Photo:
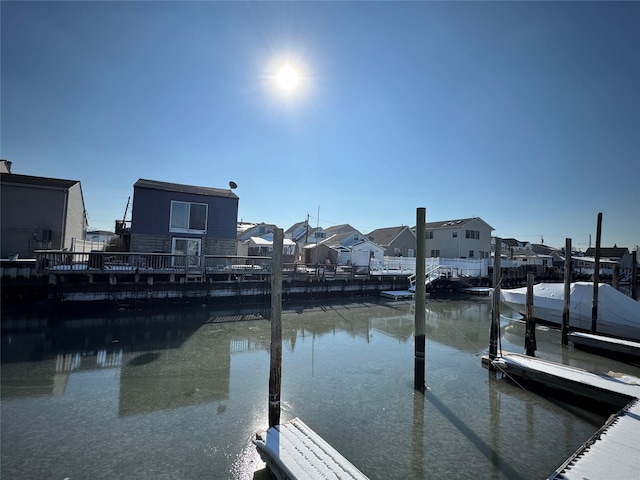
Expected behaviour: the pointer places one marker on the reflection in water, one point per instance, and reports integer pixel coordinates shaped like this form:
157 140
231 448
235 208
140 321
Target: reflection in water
181 392
417 436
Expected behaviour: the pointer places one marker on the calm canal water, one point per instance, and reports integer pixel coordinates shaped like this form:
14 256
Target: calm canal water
180 393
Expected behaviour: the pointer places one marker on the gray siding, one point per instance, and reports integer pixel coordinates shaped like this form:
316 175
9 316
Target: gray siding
151 213
152 209
26 213
406 241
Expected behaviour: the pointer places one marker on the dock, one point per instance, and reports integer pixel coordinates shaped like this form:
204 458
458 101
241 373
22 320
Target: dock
613 451
396 294
605 344
293 451
486 291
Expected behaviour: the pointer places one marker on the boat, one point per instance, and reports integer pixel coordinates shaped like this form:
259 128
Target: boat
618 314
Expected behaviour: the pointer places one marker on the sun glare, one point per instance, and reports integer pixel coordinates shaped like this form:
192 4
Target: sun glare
287 78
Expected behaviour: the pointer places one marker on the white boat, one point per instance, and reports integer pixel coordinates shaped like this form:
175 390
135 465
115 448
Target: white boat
618 314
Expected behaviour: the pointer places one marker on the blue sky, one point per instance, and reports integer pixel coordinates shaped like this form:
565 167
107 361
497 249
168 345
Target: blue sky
526 114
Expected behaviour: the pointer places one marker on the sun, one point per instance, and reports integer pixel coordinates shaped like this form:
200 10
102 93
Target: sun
287 78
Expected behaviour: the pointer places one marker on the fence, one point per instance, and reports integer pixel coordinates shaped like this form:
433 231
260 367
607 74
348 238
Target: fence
467 267
78 245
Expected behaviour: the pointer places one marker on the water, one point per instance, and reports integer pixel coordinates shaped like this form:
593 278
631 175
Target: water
180 393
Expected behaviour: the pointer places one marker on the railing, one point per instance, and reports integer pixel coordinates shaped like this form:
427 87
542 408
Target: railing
66 262
60 261
436 273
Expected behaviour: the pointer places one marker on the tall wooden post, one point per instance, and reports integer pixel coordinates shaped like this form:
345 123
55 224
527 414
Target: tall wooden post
495 302
530 334
275 377
615 281
596 277
566 307
634 275
420 300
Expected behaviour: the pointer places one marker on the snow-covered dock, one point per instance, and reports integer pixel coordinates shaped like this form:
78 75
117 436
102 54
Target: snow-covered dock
614 451
292 451
600 342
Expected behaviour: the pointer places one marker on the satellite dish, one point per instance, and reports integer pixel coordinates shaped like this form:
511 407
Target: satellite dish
233 185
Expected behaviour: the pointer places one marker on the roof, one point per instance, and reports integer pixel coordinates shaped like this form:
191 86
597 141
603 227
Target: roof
610 252
543 249
457 223
384 236
269 241
345 227
346 239
294 226
177 187
29 180
512 242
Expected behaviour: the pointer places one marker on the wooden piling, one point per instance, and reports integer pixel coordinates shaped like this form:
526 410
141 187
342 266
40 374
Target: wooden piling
275 377
615 281
495 301
596 277
634 275
567 292
530 335
420 300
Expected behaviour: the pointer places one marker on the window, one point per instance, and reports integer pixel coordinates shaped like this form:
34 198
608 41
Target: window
455 234
475 234
189 248
470 253
188 217
435 253
429 235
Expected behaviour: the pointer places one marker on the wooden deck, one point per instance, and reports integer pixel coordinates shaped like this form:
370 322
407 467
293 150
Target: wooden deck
293 451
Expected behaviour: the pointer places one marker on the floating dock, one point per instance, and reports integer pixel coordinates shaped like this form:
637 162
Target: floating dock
609 344
486 291
396 294
613 451
294 451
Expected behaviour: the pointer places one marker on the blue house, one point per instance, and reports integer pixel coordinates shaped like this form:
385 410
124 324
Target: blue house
183 219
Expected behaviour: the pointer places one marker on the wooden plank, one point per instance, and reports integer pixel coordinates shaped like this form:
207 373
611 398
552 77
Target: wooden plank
294 451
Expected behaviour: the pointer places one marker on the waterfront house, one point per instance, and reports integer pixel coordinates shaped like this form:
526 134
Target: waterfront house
39 213
532 262
396 241
304 234
347 248
183 219
613 255
609 258
257 230
263 247
460 238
